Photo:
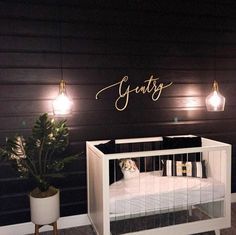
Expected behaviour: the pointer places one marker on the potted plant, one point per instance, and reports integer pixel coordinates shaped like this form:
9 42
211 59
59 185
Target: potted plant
39 157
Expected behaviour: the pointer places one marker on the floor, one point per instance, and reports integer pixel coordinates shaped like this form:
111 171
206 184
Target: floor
87 230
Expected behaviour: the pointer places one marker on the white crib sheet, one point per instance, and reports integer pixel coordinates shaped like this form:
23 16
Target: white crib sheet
150 192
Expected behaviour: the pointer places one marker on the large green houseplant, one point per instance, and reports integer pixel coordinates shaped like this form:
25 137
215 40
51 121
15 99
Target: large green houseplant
39 156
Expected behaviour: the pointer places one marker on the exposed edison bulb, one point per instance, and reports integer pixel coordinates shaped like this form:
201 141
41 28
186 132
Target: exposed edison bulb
62 105
215 101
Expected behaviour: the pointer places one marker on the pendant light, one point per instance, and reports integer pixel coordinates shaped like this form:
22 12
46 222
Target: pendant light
62 105
215 102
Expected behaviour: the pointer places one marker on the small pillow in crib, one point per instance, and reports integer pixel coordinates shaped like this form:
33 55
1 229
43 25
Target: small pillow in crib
129 168
181 168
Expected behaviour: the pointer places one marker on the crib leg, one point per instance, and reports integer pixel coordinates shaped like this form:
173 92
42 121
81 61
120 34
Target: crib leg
217 232
190 211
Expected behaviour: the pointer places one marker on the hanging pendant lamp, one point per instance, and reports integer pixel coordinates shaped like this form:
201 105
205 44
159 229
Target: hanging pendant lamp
62 105
215 102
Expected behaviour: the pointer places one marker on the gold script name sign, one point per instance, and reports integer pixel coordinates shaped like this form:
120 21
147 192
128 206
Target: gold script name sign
150 86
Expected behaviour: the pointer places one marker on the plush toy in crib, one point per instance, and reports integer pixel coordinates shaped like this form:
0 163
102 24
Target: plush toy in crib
129 168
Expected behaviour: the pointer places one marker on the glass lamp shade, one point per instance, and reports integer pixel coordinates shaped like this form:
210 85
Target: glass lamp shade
62 105
215 102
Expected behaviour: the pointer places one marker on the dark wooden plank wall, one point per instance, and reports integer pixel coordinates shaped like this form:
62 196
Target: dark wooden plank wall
188 42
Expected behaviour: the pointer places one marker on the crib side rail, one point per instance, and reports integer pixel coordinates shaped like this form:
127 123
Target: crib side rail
97 189
219 168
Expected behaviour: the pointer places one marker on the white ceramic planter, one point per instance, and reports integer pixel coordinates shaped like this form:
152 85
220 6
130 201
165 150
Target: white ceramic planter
45 210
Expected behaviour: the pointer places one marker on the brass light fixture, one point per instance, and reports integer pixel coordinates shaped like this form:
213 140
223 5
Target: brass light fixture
62 105
215 102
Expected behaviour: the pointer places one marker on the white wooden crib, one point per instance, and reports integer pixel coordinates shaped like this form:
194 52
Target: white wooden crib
217 209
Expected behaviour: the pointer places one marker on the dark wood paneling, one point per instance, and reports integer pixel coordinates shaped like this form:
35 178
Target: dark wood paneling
188 42
106 76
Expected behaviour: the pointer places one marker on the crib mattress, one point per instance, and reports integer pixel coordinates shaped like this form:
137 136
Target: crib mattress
151 192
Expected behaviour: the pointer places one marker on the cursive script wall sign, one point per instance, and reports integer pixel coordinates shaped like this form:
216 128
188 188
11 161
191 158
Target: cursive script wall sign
149 86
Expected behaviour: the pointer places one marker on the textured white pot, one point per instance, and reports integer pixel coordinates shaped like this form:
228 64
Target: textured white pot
45 210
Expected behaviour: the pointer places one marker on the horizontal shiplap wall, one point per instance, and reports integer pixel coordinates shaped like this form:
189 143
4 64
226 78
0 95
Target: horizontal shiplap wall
187 42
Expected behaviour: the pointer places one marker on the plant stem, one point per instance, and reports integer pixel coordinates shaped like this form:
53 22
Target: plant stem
40 156
45 162
31 172
50 156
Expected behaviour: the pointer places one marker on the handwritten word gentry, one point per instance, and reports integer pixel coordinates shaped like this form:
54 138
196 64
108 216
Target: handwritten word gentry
150 86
